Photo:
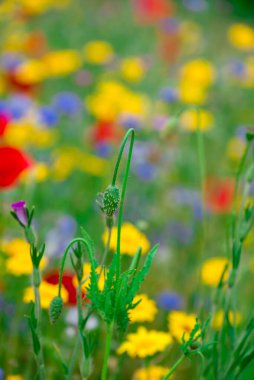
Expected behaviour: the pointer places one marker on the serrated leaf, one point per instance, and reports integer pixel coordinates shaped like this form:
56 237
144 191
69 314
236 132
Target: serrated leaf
140 276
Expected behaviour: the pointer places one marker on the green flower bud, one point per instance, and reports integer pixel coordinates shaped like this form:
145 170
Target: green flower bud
55 309
111 199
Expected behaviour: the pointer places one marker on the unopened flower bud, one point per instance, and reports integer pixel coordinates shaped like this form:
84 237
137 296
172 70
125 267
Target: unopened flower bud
111 199
55 309
20 212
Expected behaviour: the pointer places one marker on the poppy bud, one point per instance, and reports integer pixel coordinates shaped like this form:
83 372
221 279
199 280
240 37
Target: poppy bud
111 198
55 309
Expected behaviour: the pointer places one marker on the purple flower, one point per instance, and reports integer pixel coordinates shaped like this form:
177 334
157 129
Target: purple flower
170 301
19 208
1 374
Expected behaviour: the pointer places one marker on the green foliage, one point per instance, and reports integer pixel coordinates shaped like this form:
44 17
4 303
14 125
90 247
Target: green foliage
116 298
32 321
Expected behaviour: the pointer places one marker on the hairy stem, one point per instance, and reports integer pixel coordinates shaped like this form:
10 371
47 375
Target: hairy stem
109 335
37 299
172 369
130 133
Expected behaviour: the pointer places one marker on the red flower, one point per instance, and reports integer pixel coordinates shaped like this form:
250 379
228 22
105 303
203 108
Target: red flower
219 195
4 120
12 163
16 85
150 11
105 131
53 277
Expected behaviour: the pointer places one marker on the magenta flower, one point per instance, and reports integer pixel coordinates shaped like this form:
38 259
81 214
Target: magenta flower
20 211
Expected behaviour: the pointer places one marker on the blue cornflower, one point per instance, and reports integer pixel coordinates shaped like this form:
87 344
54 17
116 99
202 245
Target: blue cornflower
48 116
168 95
68 103
18 106
169 301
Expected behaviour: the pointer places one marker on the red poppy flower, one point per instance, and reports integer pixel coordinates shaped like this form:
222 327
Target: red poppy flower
4 120
105 131
53 277
219 195
150 11
12 163
14 84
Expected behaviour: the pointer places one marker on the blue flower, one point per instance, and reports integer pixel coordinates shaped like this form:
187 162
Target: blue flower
169 25
145 171
168 95
238 68
130 121
103 149
1 374
196 5
59 236
18 106
10 61
169 301
48 116
67 103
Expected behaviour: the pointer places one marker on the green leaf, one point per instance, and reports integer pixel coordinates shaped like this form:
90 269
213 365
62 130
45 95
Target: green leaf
32 322
140 276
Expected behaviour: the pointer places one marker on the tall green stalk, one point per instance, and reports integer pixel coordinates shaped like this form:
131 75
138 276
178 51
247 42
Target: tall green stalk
37 299
110 328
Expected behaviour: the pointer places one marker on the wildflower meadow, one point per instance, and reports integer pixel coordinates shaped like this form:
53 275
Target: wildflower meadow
127 189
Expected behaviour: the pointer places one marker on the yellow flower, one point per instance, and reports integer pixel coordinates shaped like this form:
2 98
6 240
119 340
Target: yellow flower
86 277
145 311
23 134
217 319
69 158
111 100
235 148
40 6
47 293
62 62
32 71
14 377
19 260
39 173
191 120
145 343
132 69
241 36
98 52
191 93
153 372
131 239
181 323
212 270
198 72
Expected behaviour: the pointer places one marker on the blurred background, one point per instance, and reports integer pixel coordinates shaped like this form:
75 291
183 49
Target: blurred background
74 76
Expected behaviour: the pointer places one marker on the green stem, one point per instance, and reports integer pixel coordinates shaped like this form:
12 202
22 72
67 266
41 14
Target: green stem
106 250
110 329
201 160
131 133
65 256
39 356
172 370
73 359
